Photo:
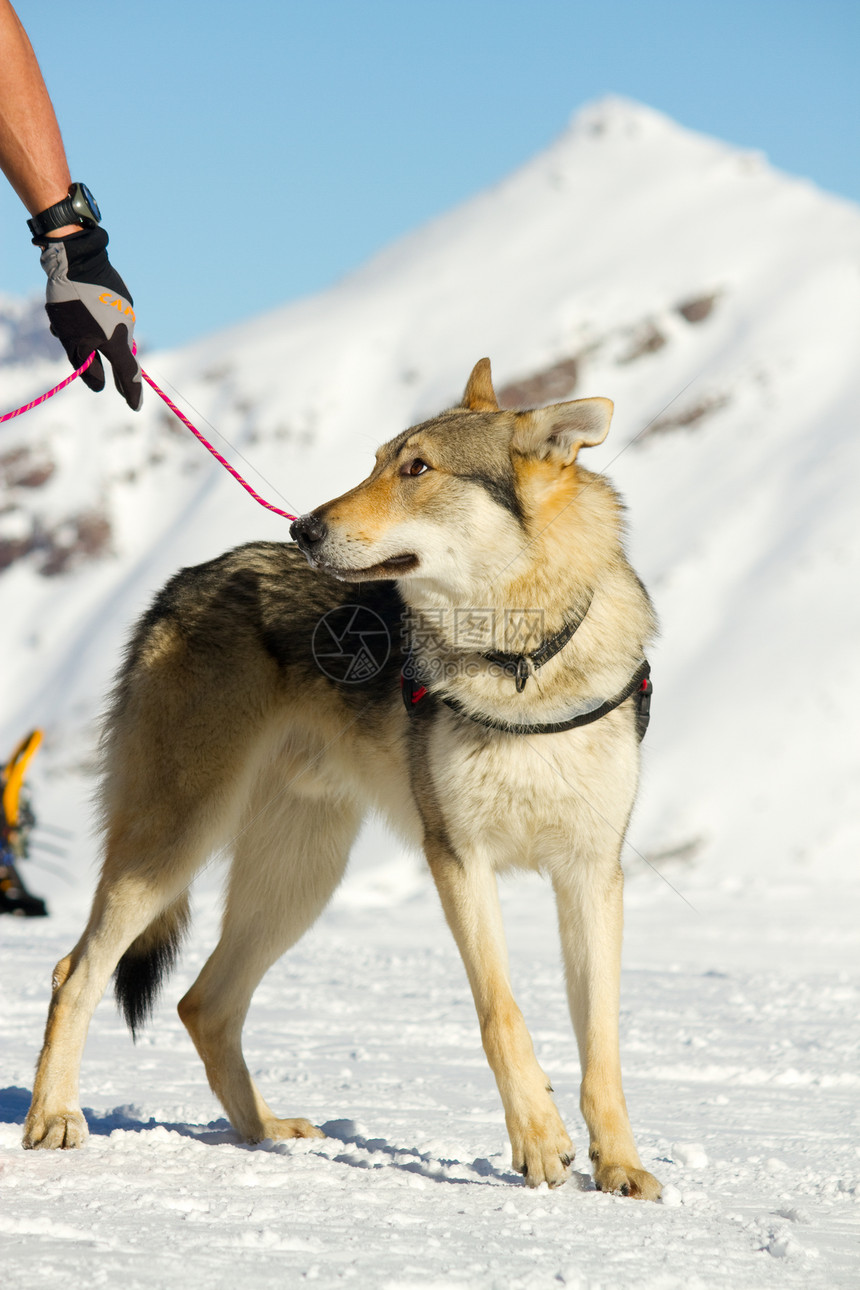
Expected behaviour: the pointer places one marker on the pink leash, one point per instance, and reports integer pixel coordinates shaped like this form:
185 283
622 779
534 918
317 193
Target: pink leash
7 416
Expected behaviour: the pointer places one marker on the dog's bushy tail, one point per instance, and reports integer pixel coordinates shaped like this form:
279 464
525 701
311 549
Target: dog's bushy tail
147 962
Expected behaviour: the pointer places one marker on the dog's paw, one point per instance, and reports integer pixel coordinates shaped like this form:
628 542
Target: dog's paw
63 1130
626 1180
543 1154
281 1130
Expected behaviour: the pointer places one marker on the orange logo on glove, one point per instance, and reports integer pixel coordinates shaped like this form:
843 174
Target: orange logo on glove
116 303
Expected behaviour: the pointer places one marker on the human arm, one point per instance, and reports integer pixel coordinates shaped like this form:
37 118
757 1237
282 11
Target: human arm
32 155
88 304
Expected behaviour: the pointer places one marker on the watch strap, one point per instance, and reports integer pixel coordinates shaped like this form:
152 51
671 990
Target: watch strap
67 211
54 217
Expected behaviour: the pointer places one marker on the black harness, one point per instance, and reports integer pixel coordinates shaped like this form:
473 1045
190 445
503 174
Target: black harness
521 667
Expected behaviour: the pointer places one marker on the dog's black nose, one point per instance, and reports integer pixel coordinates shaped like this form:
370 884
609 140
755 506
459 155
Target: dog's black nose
308 531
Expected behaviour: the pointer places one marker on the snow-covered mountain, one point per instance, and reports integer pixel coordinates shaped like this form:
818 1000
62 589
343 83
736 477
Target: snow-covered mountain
715 300
718 303
24 335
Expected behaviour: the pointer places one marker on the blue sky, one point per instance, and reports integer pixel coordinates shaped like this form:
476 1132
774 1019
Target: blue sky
244 155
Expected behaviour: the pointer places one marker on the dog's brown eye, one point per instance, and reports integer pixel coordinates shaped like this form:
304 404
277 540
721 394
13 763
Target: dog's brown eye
415 467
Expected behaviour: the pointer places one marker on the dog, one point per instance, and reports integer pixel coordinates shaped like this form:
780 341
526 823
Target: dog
459 642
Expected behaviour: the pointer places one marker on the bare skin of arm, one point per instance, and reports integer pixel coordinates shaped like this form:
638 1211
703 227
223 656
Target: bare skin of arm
32 155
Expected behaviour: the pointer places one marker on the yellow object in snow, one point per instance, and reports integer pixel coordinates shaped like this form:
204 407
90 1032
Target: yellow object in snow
13 777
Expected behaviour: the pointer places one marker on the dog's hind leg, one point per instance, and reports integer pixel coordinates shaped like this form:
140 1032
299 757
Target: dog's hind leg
160 827
123 907
589 898
287 863
541 1148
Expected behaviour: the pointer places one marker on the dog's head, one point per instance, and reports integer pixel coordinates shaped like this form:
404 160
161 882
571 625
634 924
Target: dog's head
452 499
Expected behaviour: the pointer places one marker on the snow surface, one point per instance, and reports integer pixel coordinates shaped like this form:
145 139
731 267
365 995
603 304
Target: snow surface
735 444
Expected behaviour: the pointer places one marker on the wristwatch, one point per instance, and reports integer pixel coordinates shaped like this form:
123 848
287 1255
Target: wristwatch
78 208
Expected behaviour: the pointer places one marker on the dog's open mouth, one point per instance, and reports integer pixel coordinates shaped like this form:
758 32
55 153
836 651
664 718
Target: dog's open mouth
394 567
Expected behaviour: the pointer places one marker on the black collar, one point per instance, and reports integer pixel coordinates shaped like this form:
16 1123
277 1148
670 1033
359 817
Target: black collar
639 685
522 666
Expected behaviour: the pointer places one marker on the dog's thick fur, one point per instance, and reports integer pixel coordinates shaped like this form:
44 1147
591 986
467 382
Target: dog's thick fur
224 730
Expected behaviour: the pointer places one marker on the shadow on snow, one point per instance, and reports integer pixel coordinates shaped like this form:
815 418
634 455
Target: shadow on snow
360 1151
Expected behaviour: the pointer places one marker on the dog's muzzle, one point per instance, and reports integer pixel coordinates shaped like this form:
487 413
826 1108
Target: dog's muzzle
308 531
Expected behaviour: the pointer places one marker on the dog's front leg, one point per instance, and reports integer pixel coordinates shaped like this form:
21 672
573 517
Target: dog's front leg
591 919
540 1145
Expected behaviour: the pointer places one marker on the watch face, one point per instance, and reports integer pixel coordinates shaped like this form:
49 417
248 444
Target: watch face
84 202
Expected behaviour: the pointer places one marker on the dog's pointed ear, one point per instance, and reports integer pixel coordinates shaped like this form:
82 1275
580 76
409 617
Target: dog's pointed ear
480 395
559 431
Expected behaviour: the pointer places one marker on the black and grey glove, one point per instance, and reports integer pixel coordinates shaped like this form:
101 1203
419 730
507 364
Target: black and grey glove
90 308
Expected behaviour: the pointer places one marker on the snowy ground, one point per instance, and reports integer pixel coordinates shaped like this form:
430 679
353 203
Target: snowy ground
740 1037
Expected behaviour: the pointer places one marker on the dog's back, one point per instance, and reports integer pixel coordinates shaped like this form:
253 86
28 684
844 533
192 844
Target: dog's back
234 666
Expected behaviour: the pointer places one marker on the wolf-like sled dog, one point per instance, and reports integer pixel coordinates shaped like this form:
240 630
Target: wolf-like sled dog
459 642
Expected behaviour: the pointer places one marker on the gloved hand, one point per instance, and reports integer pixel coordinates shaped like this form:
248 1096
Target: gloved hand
90 308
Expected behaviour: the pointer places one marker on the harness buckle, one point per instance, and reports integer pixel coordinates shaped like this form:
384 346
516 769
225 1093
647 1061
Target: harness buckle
411 689
643 706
